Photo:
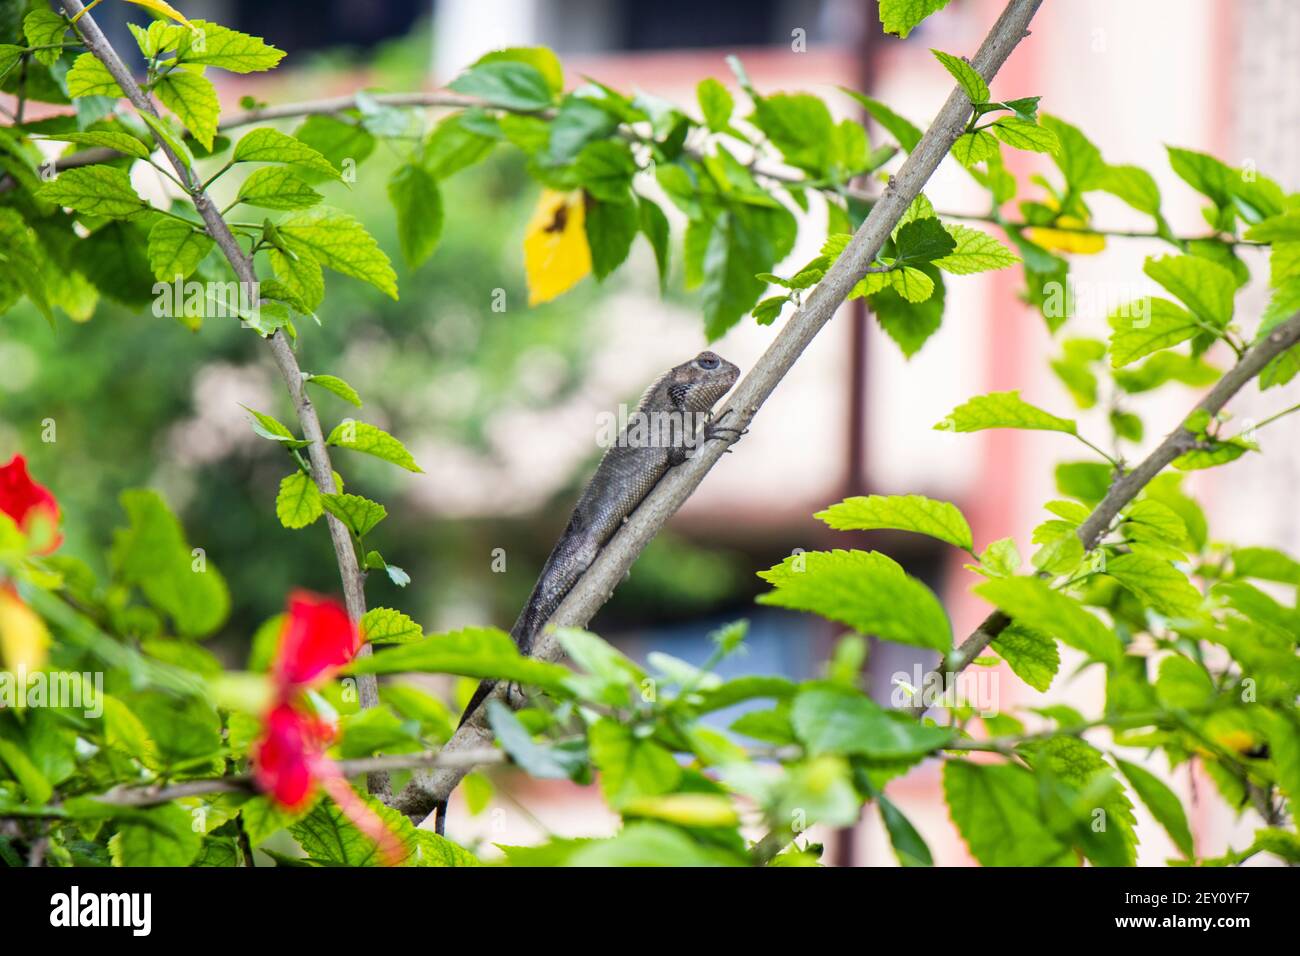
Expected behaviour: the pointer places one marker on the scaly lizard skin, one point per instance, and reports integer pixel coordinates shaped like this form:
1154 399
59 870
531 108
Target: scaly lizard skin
658 436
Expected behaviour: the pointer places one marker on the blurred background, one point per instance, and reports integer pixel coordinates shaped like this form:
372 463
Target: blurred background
500 407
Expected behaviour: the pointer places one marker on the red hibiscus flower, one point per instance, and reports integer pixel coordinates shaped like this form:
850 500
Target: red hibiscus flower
28 503
285 760
317 638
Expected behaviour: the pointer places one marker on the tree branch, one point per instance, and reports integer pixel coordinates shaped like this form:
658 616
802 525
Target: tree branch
1095 526
596 585
322 472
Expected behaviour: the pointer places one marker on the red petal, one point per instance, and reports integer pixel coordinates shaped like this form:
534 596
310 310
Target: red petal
283 759
23 499
318 637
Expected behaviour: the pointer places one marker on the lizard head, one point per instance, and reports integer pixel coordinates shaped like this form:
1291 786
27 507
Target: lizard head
698 384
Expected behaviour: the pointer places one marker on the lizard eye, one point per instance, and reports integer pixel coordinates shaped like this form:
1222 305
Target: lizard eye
707 362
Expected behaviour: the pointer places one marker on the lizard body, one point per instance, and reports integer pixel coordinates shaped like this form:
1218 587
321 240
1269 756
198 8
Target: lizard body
659 435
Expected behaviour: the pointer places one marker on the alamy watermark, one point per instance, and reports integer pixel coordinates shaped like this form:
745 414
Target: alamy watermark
656 429
69 690
976 688
207 300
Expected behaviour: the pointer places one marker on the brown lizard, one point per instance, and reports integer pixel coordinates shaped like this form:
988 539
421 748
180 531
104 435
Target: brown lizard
658 435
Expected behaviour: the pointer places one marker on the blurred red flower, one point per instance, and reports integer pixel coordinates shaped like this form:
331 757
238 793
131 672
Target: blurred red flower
317 638
285 760
27 502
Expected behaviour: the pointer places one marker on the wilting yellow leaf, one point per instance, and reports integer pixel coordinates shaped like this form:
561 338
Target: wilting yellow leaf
1065 240
159 6
24 641
556 254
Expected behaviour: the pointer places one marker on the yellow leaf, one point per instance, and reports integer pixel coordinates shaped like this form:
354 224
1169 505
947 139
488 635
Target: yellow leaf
159 6
24 641
1066 240
556 254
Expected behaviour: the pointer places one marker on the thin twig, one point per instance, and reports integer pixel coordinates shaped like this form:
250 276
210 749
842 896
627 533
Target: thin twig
322 471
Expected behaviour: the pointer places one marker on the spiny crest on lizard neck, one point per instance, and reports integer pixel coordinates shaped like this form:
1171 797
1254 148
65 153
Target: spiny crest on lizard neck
698 384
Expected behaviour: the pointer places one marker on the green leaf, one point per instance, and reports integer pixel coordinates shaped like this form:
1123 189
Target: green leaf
863 589
838 720
122 142
1022 134
481 652
275 187
417 200
152 553
176 249
913 285
169 136
510 85
358 514
1163 804
1031 603
1001 558
1077 158
452 147
970 81
630 766
903 130
800 126
1003 410
938 519
1205 287
1134 186
716 104
193 99
1031 655
900 17
1207 175
43 27
329 837
358 436
383 625
1146 326
1156 582
654 226
908 845
214 45
271 429
268 145
605 168
332 383
1266 564
89 77
94 190
610 227
546 763
157 836
343 144
995 809
298 502
339 242
921 240
976 147
976 251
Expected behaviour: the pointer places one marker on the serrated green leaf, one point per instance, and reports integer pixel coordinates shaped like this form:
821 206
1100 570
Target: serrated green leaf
383 625
1022 134
969 80
268 145
332 383
417 201
176 249
1031 603
1163 804
976 251
913 285
938 519
995 809
359 436
193 98
1156 582
1031 655
89 77
837 720
336 240
1146 326
298 502
358 514
276 187
901 17
1003 410
122 142
157 836
863 589
510 85
976 147
95 190
212 44
481 652
1205 287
